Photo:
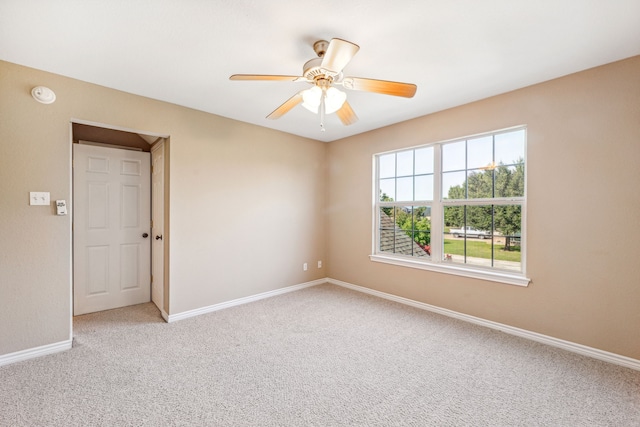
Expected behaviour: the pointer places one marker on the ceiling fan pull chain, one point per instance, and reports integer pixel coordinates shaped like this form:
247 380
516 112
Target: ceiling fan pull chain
322 109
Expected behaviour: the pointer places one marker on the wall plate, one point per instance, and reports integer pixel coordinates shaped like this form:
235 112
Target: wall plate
39 198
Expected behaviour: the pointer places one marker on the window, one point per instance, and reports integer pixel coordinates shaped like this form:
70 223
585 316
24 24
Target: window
455 206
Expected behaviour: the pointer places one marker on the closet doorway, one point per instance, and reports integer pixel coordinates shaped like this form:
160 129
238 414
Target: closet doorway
119 233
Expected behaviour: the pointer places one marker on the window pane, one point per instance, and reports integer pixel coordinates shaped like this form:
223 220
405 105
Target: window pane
509 181
404 236
424 187
479 252
424 161
479 152
422 227
508 220
405 189
405 163
453 156
479 218
507 236
509 147
387 229
480 184
387 165
453 217
387 190
453 185
453 234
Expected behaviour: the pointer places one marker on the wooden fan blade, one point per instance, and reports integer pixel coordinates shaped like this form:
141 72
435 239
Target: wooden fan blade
385 87
263 77
288 105
338 55
346 114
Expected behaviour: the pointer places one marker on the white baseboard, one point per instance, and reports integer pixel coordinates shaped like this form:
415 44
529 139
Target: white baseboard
198 311
31 353
534 336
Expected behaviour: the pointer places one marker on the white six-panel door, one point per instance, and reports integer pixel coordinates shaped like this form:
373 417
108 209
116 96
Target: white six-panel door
111 228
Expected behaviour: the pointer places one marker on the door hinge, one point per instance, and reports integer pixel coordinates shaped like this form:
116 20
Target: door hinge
151 223
152 278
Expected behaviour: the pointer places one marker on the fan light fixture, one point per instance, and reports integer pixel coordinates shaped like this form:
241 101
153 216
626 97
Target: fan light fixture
323 72
333 99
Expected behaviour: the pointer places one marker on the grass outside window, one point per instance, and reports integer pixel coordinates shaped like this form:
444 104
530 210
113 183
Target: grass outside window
481 249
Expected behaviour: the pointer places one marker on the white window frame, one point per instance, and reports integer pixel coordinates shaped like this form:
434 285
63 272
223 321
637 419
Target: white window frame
436 261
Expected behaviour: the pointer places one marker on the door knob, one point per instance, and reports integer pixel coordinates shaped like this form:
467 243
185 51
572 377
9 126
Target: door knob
145 235
159 237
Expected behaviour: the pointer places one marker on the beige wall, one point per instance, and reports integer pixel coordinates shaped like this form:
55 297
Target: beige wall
246 205
583 209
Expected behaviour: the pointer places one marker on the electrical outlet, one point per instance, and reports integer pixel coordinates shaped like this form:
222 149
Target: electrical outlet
319 264
305 267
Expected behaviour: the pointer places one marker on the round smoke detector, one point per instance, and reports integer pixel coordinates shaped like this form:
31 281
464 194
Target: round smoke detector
43 95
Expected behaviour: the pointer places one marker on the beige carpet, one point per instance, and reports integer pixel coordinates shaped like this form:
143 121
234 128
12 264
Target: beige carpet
322 356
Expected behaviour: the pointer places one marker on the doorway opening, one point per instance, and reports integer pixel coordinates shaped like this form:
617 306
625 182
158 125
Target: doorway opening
120 217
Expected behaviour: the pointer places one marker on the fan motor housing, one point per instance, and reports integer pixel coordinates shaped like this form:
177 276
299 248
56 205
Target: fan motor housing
312 70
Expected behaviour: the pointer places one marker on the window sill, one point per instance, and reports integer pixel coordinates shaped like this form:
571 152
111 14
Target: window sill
455 269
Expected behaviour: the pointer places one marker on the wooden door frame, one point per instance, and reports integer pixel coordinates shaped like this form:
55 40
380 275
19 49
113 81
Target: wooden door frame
155 147
165 146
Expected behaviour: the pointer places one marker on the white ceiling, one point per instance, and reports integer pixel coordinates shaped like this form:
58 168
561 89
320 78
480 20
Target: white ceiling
183 52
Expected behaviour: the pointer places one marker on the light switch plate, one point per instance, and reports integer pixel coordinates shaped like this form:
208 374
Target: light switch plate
39 198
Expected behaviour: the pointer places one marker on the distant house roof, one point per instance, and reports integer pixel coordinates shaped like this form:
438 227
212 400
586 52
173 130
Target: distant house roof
396 240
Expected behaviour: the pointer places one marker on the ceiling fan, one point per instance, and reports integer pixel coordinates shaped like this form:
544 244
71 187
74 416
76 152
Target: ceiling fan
325 72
